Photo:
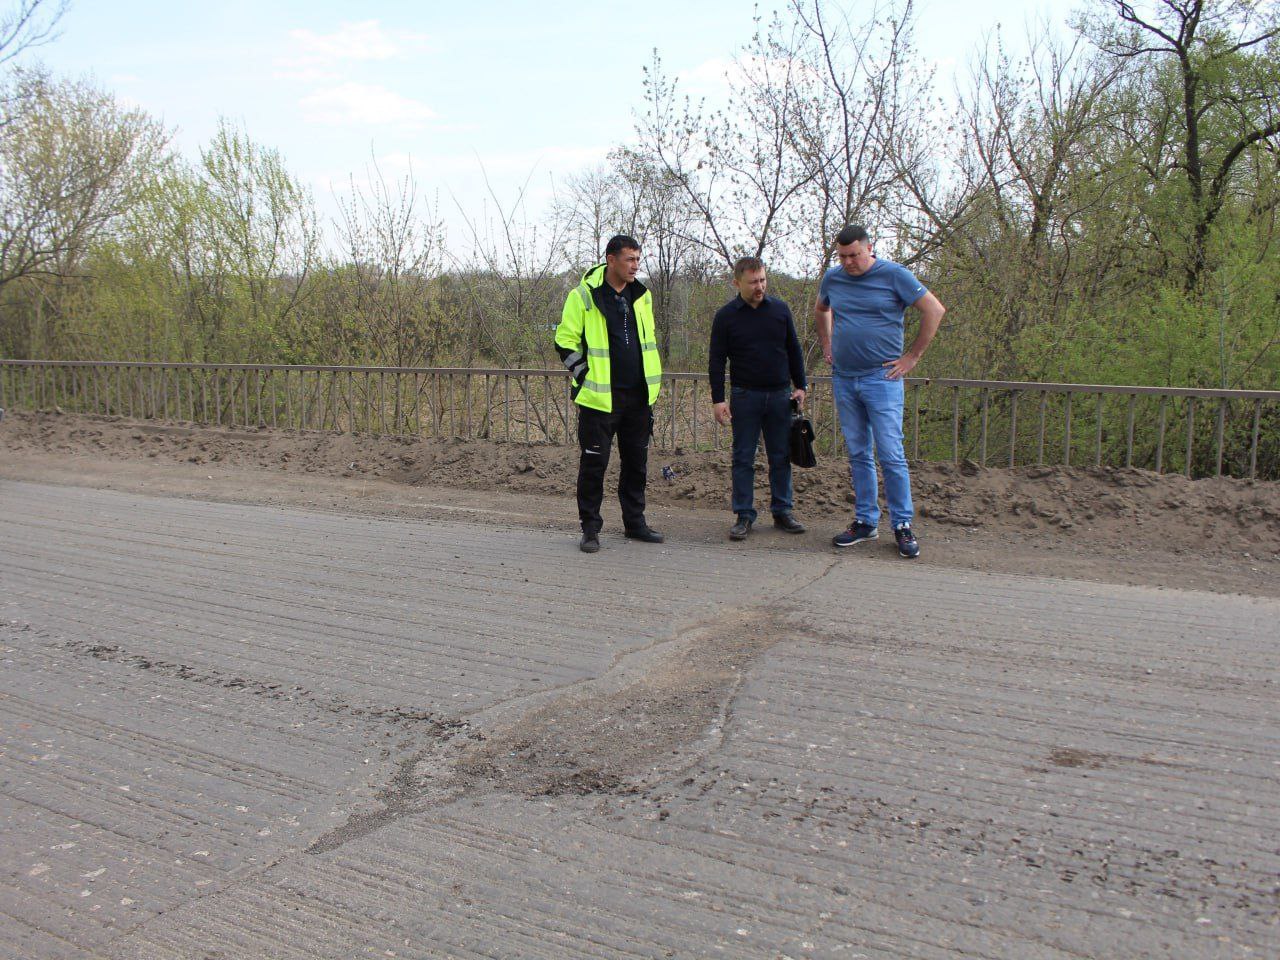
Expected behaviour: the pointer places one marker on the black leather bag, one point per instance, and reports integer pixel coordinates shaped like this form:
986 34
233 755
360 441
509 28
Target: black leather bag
802 454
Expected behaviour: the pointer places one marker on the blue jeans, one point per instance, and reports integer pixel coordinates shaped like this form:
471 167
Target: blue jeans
755 411
870 409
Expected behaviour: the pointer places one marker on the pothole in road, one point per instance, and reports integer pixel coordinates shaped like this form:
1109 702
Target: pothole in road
610 737
614 734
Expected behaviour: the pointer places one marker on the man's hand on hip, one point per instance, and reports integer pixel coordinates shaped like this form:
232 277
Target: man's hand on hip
897 369
721 410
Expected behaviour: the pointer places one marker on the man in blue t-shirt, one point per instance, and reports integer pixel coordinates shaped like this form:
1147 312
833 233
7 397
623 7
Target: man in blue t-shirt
859 316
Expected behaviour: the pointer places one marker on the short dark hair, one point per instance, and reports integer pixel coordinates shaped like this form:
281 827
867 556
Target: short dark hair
619 243
746 265
852 234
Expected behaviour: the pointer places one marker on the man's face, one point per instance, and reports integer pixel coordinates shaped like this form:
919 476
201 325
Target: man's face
855 257
751 286
624 264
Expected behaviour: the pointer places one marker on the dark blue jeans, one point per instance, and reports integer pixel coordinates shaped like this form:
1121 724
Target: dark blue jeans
755 412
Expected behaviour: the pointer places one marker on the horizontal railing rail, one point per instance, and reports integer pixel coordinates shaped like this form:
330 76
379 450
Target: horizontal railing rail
1196 432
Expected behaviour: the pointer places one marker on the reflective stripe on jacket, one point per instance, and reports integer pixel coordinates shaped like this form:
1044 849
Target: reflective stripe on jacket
582 340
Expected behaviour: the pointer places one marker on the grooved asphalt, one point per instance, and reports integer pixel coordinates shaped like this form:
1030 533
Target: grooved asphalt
929 763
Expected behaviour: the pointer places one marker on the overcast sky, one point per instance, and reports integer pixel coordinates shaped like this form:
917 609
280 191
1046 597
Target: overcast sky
520 88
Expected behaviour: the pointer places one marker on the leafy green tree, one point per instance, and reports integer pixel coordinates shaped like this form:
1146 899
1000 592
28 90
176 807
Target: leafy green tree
73 161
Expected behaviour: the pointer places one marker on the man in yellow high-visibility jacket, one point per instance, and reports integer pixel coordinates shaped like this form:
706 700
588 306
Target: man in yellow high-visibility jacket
606 340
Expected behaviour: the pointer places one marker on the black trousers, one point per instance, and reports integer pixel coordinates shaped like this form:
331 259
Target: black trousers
631 421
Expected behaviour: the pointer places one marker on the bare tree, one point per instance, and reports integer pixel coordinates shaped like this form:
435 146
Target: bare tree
28 24
737 166
592 208
820 130
860 118
392 245
659 215
511 279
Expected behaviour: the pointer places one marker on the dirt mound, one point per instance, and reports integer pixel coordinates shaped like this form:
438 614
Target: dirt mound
1106 506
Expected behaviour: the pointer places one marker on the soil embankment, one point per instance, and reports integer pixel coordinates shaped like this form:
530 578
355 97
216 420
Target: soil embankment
1106 523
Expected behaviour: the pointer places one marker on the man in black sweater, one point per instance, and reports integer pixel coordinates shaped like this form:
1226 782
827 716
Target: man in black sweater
757 336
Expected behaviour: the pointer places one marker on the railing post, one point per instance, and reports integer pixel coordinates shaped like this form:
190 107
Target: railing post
546 408
672 405
1128 449
1097 452
453 406
1044 404
1164 409
1191 427
352 426
837 432
382 403
417 403
1222 420
1066 439
982 452
695 420
1013 426
915 422
955 424
1253 447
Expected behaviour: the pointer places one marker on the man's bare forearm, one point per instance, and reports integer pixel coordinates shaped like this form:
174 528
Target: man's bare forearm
822 323
931 313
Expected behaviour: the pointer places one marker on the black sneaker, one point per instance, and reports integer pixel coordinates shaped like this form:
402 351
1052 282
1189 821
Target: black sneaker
645 535
740 529
908 546
590 543
858 532
787 523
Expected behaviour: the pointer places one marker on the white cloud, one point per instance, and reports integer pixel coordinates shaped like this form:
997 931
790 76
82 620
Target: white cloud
717 78
512 167
359 104
363 40
708 79
308 74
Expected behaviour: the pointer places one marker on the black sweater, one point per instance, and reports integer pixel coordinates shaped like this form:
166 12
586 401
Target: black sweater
619 311
760 344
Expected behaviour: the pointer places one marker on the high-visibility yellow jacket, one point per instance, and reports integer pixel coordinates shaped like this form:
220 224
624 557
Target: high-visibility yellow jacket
582 340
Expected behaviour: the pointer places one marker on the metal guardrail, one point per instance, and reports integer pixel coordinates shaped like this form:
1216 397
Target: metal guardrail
993 422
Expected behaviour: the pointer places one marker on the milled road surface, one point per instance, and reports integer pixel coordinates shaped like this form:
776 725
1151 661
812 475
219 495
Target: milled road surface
231 731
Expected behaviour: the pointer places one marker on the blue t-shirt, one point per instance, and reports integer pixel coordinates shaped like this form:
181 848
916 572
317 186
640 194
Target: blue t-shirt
866 329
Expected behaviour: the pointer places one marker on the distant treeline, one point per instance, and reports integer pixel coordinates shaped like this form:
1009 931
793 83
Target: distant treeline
1103 209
